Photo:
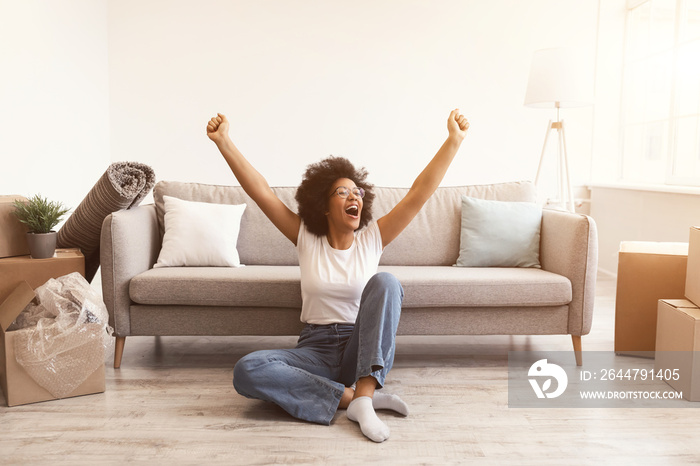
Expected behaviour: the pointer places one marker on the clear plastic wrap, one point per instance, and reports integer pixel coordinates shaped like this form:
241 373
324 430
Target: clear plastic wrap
62 340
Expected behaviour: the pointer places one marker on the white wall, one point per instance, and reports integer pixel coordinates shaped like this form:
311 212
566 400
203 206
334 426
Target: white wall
370 80
638 215
54 99
89 82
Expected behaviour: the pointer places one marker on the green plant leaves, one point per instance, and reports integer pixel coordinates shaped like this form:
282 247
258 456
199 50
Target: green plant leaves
39 214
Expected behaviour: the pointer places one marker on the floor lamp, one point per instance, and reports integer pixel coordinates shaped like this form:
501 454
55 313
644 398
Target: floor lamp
558 78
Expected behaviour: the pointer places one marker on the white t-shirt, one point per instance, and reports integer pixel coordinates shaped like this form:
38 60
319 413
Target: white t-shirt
332 280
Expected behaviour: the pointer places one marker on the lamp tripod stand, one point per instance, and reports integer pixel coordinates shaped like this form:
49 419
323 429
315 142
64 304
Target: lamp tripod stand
564 188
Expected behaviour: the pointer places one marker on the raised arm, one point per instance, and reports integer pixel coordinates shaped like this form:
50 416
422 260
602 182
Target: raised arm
427 182
252 182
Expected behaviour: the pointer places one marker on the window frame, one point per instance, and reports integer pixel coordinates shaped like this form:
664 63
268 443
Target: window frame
636 165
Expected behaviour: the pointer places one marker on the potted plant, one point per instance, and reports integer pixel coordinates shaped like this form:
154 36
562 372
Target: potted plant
40 215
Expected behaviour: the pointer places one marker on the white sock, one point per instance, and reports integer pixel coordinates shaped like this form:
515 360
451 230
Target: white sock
361 411
382 400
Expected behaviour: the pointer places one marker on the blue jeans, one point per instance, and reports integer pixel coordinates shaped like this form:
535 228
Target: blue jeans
309 380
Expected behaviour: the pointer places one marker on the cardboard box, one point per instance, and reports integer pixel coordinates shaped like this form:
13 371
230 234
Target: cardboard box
36 272
678 346
692 279
19 388
13 240
646 272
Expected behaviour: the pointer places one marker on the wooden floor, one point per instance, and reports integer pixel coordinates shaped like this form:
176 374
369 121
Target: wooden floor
172 402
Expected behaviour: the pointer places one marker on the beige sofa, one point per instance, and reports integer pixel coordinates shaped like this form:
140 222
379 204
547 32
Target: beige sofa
264 297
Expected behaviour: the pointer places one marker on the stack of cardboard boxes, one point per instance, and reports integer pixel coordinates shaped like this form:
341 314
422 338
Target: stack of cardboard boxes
19 276
678 328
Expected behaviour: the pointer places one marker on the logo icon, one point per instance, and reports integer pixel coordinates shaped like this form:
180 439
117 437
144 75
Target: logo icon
547 371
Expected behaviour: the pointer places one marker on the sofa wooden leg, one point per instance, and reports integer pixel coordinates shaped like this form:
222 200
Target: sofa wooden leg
576 339
118 351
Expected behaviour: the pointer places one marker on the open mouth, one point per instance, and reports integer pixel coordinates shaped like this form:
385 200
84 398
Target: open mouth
353 211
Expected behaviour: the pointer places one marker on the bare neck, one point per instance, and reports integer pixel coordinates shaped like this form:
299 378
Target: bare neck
340 239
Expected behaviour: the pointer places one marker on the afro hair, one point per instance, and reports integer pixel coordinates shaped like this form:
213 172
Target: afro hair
313 192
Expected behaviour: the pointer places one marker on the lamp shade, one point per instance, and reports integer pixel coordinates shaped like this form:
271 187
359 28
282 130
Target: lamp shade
559 77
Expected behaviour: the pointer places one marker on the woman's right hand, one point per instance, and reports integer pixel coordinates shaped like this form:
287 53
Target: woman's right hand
217 128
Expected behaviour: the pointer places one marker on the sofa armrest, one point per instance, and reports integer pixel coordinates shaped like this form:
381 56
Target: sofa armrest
569 247
129 245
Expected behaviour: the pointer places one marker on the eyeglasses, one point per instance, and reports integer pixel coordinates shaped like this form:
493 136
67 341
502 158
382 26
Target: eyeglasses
344 192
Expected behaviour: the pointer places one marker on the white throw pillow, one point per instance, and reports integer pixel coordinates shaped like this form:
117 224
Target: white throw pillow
499 234
200 234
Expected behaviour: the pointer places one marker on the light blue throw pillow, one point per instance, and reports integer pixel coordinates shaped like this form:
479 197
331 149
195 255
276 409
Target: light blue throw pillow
499 234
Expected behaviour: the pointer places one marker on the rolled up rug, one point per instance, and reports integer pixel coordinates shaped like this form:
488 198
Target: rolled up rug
123 186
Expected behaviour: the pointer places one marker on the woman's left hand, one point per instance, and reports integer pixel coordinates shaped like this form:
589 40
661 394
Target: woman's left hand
457 124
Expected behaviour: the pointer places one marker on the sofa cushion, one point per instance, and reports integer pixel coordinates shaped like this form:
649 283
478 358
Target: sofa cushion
277 286
481 287
432 238
272 286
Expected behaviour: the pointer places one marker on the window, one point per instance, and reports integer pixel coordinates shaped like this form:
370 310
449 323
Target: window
661 93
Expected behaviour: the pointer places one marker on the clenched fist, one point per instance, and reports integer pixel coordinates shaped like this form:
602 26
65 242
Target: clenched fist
457 124
217 128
